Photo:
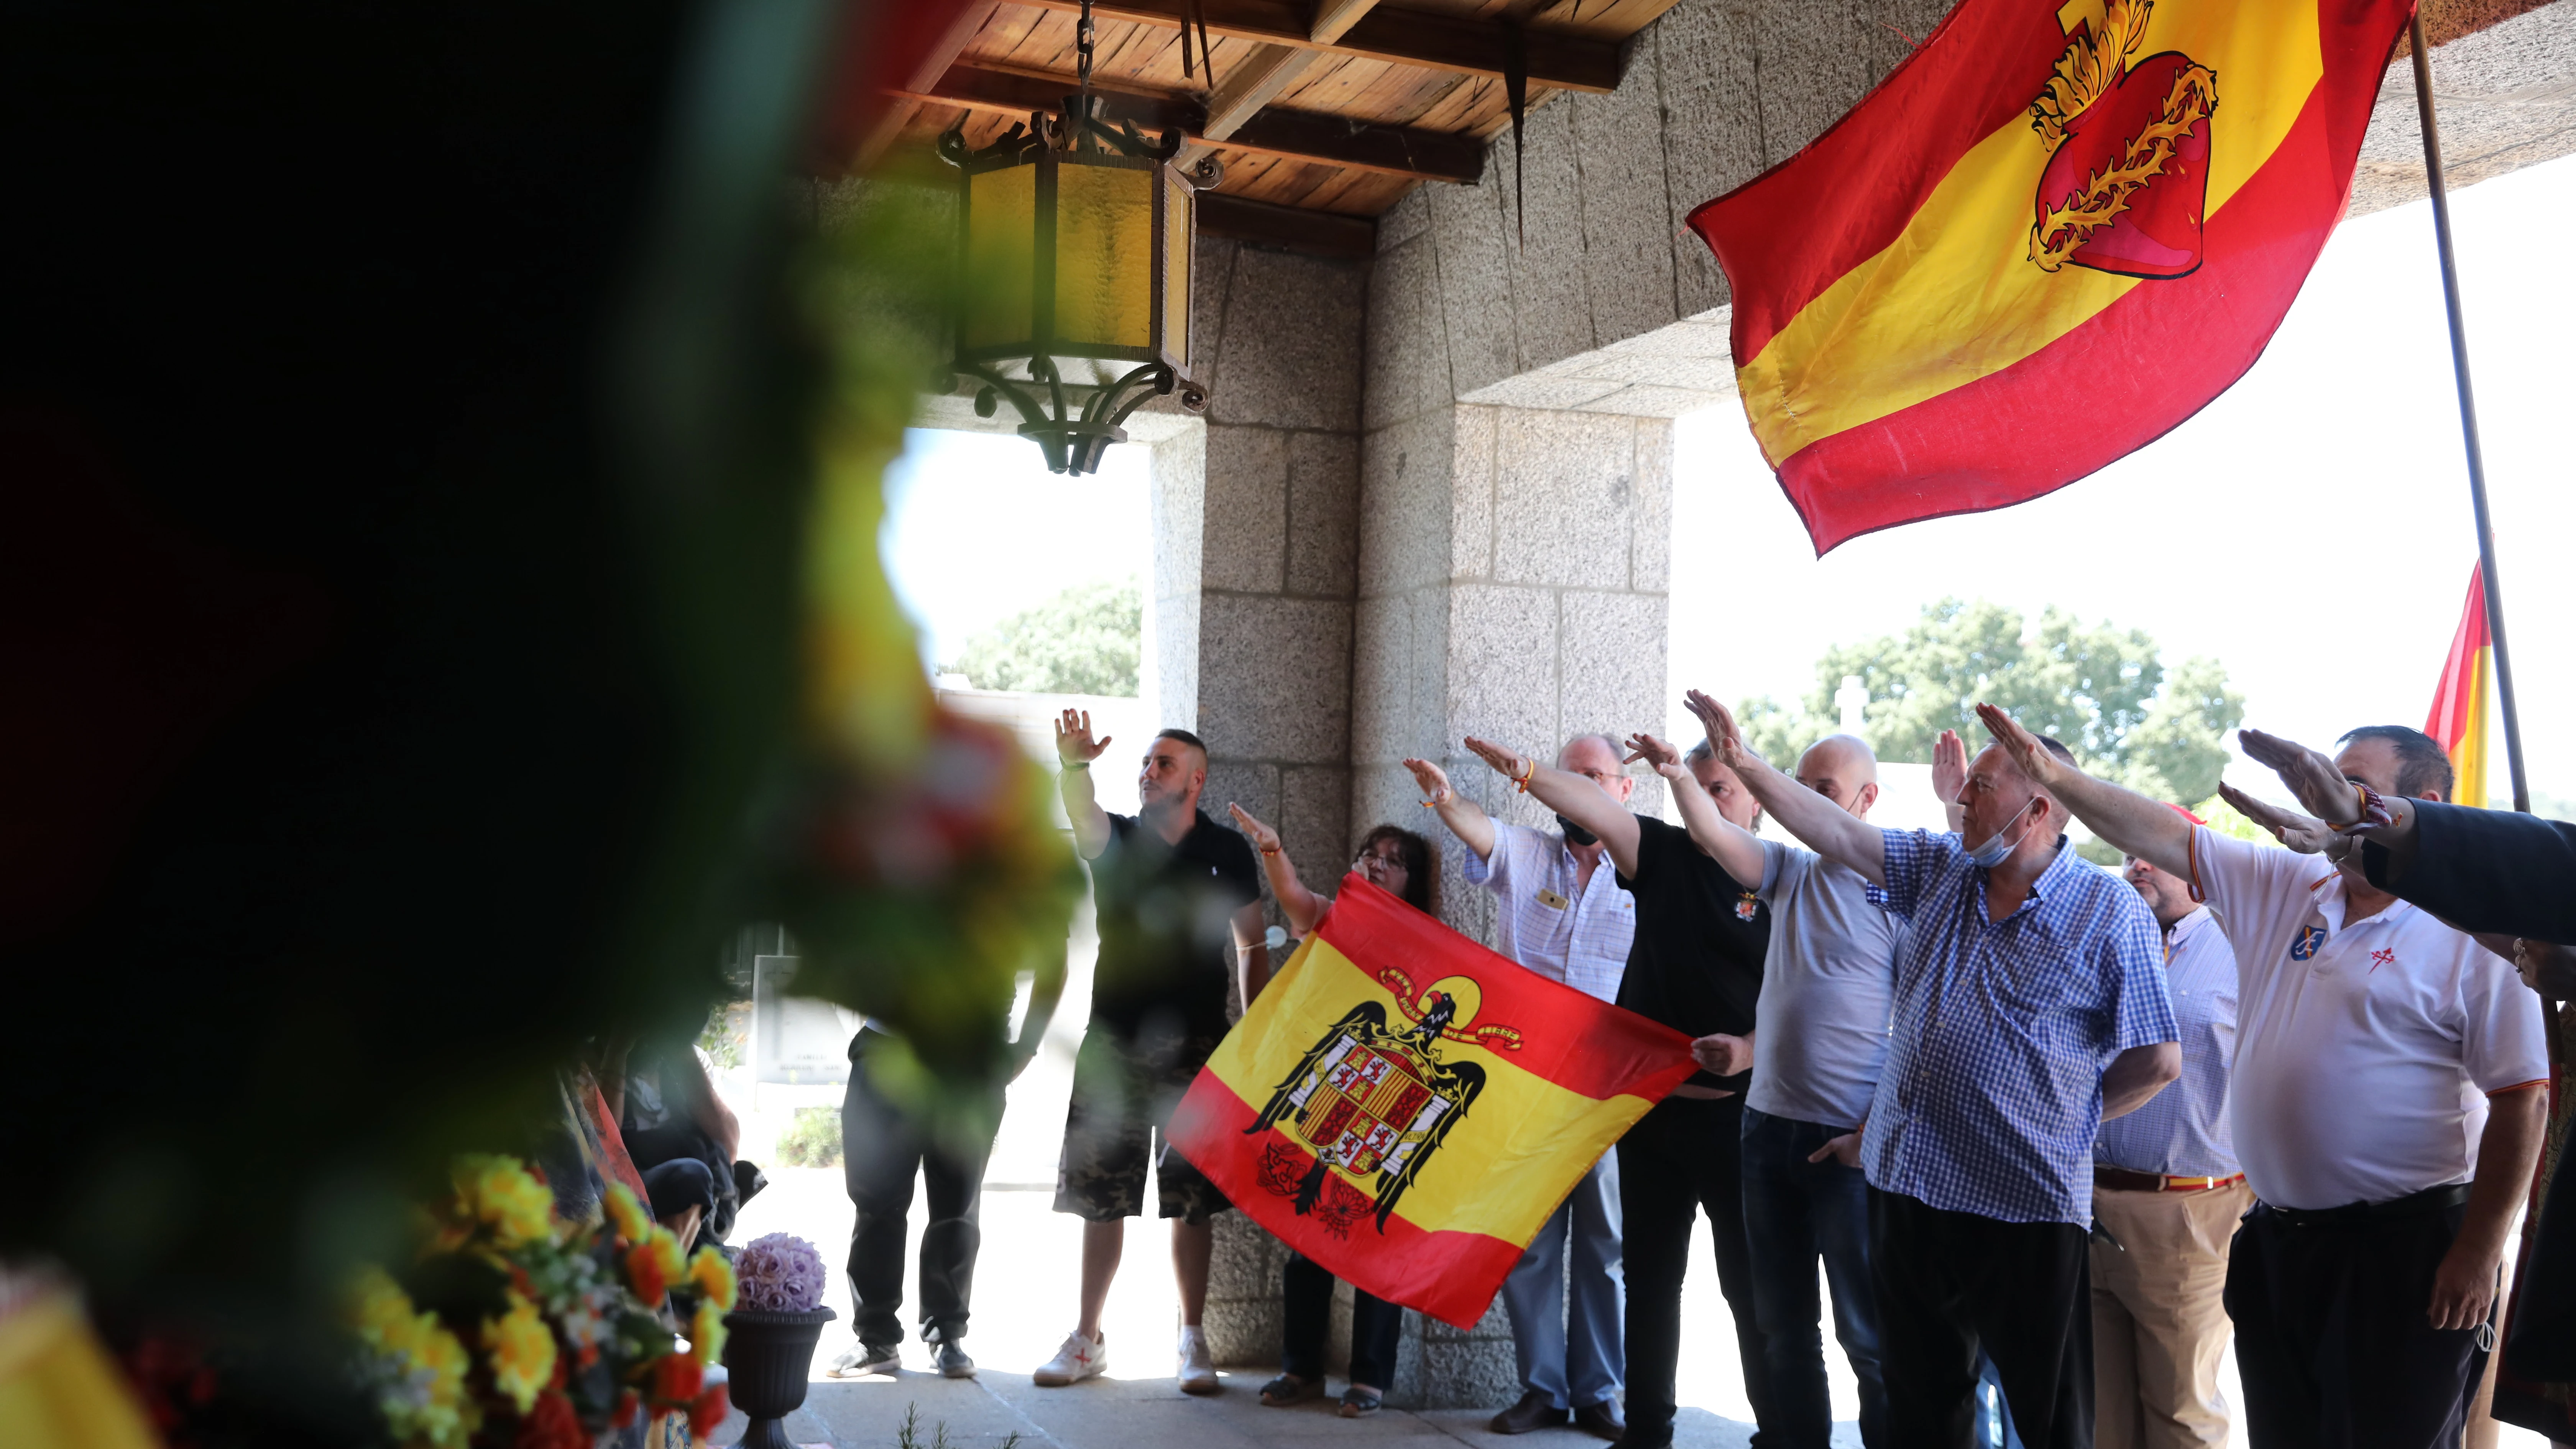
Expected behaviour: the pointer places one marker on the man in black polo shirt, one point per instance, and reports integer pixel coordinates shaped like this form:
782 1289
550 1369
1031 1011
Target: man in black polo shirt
1696 966
1169 886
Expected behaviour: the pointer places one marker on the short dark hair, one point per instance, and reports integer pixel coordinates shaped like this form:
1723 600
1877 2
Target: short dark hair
1185 737
1416 854
2421 763
2057 748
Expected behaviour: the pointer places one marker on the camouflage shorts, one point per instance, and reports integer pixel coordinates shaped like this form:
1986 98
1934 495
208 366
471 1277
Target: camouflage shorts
1124 1090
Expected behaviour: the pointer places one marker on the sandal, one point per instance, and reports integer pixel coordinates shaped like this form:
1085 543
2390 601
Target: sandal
1287 1389
1360 1403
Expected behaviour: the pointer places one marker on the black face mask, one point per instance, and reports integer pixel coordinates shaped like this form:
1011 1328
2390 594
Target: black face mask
1576 834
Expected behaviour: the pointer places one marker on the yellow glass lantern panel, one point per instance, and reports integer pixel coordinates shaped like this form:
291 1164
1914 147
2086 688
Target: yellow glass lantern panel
1176 267
1001 245
1104 256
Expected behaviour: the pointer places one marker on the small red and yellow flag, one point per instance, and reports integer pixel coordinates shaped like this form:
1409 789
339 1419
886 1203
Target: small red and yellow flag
2052 234
2459 716
1405 1107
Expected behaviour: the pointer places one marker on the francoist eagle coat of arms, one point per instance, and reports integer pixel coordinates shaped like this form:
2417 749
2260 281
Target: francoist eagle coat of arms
1371 1103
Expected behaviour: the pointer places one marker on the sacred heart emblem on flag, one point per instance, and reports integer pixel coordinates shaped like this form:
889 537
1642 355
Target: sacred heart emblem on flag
2127 183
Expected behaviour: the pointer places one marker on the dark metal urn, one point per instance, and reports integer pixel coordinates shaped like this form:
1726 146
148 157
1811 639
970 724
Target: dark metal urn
767 1358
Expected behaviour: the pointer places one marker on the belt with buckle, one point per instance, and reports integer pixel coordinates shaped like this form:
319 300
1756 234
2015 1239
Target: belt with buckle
2121 1179
2430 1200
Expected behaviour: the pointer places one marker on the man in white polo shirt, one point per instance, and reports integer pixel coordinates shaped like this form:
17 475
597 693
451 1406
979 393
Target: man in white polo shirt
2387 1110
1560 912
1820 1036
2168 1192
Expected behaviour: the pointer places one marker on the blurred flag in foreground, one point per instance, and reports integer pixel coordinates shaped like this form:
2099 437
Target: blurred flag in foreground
1405 1107
2052 234
2459 717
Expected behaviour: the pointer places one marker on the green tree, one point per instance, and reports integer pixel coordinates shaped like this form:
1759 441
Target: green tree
1086 640
2101 690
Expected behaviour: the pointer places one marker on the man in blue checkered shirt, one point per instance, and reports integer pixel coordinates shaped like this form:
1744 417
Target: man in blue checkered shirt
2030 1006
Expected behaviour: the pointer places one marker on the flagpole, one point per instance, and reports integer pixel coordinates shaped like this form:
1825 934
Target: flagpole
2468 416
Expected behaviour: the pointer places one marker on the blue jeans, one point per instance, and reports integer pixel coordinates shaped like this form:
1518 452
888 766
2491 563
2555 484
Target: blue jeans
1566 1325
1796 1211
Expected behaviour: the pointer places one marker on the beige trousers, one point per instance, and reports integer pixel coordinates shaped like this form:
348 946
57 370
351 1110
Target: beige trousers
2159 1316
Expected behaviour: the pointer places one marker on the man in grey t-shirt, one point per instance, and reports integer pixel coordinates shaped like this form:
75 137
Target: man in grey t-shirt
1820 1033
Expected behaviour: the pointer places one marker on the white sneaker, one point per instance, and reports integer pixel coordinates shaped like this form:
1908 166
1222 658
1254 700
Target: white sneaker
858 1361
1079 1359
1198 1370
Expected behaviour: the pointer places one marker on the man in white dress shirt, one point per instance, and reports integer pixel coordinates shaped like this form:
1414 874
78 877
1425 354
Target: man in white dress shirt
2167 1191
1561 913
2388 1108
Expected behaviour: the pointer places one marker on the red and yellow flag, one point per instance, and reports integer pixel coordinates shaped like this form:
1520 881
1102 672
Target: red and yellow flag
1405 1107
2459 716
2052 234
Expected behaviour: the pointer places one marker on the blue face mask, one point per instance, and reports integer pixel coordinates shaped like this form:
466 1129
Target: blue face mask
1995 850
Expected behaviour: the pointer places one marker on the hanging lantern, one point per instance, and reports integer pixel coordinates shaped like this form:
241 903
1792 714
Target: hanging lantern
1074 248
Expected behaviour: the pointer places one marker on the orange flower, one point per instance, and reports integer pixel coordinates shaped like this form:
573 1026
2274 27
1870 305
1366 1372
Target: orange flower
677 1379
654 1264
708 1411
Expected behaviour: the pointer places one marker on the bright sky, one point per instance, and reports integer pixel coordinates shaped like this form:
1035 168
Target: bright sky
2310 528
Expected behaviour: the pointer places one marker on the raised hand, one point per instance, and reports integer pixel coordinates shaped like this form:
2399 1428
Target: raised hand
2042 768
2311 776
1432 780
2299 832
1949 766
1723 736
1509 763
1073 742
2547 969
1263 838
1661 756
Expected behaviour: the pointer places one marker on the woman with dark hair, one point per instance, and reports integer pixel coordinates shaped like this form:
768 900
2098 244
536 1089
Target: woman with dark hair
1398 862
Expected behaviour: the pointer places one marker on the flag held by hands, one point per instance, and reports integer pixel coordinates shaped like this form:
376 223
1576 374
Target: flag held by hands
2051 235
1405 1107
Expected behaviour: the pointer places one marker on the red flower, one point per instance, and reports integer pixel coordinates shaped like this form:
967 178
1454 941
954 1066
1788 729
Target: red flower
627 1404
676 1378
708 1411
551 1424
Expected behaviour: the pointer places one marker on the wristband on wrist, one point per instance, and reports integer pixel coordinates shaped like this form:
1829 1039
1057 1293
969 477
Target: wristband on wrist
1077 764
2374 812
1529 772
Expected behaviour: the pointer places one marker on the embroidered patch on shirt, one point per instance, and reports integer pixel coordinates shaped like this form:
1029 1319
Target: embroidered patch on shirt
2305 947
1551 900
1746 907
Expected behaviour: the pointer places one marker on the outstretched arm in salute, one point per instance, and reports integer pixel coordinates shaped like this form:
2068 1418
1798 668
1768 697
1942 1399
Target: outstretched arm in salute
2131 822
1302 906
1075 749
1736 850
1569 795
1465 819
1829 829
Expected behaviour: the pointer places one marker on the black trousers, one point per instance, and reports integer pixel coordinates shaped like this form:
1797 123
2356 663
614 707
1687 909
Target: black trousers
881 1150
1951 1285
1376 1326
2331 1339
1681 1159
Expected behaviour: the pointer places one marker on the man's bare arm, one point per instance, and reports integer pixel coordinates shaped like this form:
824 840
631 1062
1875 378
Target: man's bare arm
1827 828
1075 750
1465 819
2464 1285
2132 823
1569 795
1736 850
1251 953
1046 989
2136 1075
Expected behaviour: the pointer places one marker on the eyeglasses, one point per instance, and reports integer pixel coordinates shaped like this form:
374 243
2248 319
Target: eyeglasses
1391 862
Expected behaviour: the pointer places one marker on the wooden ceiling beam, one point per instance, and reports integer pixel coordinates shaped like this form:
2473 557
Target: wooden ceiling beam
1297 135
1402 37
943 53
1324 233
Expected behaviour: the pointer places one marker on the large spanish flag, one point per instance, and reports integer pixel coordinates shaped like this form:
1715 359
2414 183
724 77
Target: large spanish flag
1405 1107
2052 234
2459 715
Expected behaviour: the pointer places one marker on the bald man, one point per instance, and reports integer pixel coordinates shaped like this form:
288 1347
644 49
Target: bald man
1820 1033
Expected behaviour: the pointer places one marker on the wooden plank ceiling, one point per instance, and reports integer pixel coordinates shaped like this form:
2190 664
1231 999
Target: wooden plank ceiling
1323 112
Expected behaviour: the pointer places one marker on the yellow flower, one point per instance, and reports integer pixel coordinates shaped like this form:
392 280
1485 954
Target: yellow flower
498 1192
423 1398
522 1349
627 1215
654 1264
713 1276
707 1332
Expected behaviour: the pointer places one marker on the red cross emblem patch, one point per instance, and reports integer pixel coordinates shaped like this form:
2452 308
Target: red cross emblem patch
2382 957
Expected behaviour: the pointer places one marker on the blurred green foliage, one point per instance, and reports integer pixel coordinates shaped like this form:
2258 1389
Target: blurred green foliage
813 1139
1085 640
